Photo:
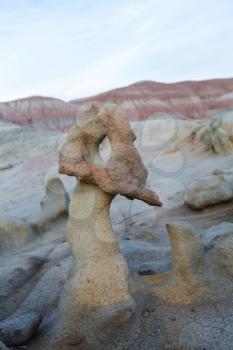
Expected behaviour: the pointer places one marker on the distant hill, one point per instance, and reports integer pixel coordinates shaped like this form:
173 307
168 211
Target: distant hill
139 101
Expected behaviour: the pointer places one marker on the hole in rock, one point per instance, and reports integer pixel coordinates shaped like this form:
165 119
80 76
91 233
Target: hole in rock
105 149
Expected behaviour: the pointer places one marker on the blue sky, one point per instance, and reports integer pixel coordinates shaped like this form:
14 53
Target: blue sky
70 49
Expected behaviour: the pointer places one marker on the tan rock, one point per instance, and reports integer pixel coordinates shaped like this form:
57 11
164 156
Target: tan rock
185 282
124 172
208 191
221 134
216 134
197 274
187 252
97 291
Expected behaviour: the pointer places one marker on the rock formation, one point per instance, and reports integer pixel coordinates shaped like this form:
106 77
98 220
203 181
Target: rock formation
221 134
197 275
216 134
97 291
180 283
55 201
54 204
208 191
124 173
185 282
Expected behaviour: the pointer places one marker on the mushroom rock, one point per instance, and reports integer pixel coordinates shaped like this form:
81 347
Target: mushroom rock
96 297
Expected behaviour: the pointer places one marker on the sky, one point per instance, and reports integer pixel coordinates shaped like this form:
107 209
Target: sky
76 48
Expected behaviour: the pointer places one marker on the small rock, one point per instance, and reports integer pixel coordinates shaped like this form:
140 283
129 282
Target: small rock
147 235
17 331
143 270
6 167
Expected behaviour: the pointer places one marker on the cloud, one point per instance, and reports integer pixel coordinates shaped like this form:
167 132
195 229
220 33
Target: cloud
73 49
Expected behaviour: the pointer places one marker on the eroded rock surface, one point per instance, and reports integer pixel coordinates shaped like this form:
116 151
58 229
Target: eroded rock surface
33 275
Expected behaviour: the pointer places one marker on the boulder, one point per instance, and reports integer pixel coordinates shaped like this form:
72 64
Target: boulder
209 191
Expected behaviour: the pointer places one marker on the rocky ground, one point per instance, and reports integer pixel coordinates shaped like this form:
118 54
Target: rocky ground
190 166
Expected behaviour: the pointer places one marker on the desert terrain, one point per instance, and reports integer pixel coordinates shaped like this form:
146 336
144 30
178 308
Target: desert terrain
179 256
